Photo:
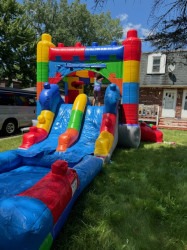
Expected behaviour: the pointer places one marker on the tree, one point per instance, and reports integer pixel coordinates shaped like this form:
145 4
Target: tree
106 29
75 21
42 15
169 30
99 3
16 44
69 23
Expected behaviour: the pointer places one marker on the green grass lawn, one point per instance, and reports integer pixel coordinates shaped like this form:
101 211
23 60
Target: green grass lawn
138 201
10 143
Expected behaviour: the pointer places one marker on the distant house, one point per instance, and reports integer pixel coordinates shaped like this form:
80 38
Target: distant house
163 82
15 83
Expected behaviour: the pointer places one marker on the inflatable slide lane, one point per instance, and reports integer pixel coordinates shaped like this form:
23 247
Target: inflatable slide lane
74 125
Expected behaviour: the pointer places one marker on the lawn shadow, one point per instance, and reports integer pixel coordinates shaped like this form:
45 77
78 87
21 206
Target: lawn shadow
138 201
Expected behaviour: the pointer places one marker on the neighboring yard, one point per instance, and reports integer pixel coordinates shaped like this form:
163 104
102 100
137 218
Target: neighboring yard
138 201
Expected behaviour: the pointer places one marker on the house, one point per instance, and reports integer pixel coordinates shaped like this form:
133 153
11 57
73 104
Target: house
15 83
163 84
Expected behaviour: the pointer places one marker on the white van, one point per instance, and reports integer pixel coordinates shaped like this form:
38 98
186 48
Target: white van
17 109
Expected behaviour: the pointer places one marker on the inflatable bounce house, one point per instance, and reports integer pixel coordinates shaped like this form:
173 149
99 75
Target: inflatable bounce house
66 149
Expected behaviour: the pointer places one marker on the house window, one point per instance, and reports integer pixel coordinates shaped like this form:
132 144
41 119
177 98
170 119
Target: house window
156 63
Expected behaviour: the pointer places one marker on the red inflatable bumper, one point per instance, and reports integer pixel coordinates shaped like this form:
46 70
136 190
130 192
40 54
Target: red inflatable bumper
34 135
150 133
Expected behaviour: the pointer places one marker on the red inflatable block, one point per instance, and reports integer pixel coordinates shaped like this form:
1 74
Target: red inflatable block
56 188
77 84
108 123
59 167
151 134
132 46
55 79
34 135
72 94
129 113
67 53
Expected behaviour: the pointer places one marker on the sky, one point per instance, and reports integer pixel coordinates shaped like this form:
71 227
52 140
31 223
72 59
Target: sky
133 14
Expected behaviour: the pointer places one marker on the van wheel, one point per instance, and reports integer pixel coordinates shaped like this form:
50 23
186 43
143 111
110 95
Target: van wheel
9 127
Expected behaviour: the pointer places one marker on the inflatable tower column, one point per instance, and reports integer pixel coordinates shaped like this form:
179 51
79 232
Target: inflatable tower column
129 131
42 62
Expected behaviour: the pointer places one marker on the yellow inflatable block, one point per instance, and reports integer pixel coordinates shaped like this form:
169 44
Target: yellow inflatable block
131 71
71 79
43 48
83 73
103 144
92 79
45 120
80 102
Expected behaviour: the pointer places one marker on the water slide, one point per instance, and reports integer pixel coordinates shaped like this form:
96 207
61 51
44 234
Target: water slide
40 181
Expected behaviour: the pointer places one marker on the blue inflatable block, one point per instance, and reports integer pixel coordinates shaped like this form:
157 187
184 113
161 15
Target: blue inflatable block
76 59
9 160
85 80
58 59
87 169
23 228
50 97
130 93
111 99
53 68
104 52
